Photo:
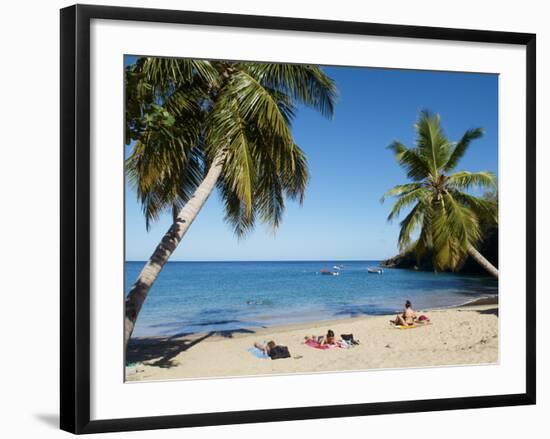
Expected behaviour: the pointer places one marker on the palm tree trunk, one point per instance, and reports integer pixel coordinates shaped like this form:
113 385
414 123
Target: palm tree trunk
480 259
167 245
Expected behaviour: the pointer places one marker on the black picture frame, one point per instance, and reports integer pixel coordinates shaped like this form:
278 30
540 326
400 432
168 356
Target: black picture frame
75 217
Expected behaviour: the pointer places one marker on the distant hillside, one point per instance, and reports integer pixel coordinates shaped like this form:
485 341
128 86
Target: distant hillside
488 248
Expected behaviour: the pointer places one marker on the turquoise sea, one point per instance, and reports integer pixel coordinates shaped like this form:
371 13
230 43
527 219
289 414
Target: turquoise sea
193 297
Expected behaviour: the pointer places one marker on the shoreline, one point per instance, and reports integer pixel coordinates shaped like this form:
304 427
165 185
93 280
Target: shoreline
466 334
478 301
489 300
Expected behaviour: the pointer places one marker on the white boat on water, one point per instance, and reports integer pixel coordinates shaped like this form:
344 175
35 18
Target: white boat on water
375 270
327 272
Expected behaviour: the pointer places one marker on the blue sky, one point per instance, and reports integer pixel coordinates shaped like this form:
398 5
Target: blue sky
342 217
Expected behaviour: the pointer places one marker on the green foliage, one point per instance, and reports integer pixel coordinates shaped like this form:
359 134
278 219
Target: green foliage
445 218
181 114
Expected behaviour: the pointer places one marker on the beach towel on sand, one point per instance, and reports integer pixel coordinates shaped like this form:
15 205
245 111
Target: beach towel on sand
414 325
258 353
316 345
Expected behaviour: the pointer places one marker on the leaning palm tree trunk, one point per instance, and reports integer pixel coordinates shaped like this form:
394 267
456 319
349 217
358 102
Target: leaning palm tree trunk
167 246
480 259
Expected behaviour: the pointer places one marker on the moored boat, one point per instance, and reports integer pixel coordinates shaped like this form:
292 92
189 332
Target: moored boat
327 272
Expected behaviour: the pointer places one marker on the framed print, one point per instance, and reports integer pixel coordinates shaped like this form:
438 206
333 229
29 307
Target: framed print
268 218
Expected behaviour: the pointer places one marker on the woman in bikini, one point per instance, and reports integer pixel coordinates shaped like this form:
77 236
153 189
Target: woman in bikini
407 318
328 339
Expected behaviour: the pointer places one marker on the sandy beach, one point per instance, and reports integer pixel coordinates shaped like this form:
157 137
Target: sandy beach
465 335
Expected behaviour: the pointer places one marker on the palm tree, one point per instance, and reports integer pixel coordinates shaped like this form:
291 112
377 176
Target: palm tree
197 125
445 218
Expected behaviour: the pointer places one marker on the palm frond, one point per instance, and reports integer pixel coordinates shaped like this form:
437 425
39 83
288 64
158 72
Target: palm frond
431 142
443 249
268 191
461 147
454 229
185 102
485 210
399 190
257 106
138 96
160 186
406 199
235 210
307 84
294 171
227 129
461 223
416 166
464 180
285 103
424 243
409 225
172 72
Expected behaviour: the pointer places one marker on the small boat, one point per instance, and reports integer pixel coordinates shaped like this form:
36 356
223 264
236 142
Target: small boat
327 272
338 267
375 270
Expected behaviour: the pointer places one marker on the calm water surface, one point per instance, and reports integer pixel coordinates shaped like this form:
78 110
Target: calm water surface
227 296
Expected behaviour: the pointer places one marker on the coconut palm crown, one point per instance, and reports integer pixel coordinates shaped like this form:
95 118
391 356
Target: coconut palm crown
183 114
444 219
197 125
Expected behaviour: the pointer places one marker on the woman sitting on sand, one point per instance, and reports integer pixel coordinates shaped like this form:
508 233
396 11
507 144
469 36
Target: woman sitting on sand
407 318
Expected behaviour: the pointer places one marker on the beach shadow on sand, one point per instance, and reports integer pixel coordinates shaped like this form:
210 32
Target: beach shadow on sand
164 350
490 311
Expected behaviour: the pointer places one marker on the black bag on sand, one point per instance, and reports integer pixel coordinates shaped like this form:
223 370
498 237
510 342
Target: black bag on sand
279 352
349 338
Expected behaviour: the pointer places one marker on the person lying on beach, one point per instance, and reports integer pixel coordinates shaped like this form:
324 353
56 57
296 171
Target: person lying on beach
326 342
265 347
273 350
328 339
407 318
